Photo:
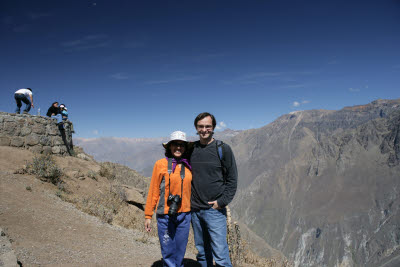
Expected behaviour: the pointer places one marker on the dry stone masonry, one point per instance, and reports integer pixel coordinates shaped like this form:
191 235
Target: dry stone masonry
35 133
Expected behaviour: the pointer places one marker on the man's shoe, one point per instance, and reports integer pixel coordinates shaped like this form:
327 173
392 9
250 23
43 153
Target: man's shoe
25 112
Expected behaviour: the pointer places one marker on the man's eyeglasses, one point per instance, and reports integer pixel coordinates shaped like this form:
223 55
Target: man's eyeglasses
204 126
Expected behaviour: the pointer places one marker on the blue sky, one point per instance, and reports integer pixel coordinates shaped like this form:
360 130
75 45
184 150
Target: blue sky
147 68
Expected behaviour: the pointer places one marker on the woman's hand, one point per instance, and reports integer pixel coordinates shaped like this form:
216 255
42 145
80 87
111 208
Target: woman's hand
147 225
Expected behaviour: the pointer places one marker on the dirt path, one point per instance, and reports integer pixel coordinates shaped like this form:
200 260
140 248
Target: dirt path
44 230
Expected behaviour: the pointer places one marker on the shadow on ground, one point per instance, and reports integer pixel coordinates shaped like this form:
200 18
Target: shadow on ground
186 263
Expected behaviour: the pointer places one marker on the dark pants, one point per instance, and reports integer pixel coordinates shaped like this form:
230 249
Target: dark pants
19 98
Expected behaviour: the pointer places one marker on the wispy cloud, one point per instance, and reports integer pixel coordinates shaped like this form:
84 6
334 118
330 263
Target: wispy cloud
260 77
297 104
179 79
221 126
87 42
95 132
120 76
36 16
294 86
24 22
354 89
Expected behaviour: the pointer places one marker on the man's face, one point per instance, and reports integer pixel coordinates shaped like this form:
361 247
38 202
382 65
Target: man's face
204 128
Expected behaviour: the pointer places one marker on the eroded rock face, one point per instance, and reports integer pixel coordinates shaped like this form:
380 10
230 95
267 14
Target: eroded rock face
323 186
36 133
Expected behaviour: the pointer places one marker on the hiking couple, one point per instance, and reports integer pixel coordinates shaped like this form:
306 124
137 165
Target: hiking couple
60 113
193 184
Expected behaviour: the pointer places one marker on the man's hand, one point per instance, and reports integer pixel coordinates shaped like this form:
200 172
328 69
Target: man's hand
147 225
32 105
214 204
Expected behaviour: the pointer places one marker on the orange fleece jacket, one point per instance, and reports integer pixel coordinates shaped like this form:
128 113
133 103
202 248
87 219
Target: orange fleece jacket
159 188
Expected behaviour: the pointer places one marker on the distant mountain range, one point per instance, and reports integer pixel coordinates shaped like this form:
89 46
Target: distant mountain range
139 154
321 186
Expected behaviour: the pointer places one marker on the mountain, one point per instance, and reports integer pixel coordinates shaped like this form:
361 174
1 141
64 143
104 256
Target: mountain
137 153
323 187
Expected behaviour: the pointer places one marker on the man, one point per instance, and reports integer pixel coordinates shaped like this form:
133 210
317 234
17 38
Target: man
23 95
213 187
53 110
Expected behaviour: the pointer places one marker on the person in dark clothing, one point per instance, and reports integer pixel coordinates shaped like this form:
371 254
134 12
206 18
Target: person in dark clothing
214 185
53 110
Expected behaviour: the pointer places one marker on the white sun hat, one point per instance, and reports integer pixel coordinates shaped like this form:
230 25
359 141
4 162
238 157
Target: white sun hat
176 136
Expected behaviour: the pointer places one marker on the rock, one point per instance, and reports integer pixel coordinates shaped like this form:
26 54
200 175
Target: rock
83 156
5 141
57 140
56 150
36 149
11 128
17 141
47 150
51 129
38 129
133 195
45 140
32 140
7 254
25 131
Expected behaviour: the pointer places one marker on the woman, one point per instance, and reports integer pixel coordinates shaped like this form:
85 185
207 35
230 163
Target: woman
169 192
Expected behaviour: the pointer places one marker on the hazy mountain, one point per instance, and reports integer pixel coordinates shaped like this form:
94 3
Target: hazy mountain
138 153
323 186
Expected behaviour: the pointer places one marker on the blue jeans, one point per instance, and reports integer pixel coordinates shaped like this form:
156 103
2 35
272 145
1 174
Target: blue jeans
58 117
209 228
19 98
173 233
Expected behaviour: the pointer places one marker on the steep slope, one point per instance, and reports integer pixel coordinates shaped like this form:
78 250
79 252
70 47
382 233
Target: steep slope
324 186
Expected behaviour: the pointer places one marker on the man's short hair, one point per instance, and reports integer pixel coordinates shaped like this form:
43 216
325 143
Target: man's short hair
202 116
29 89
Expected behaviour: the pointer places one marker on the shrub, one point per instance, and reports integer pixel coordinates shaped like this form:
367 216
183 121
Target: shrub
45 167
92 174
106 171
104 206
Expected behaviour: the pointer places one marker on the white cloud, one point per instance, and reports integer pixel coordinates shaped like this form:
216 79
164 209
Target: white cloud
180 79
87 42
354 89
95 132
221 126
300 103
120 76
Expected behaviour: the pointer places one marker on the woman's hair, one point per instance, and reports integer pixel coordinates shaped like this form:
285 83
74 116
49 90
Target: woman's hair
168 153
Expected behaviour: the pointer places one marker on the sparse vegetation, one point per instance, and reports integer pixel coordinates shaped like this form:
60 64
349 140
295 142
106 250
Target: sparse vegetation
102 205
28 188
91 174
107 171
45 168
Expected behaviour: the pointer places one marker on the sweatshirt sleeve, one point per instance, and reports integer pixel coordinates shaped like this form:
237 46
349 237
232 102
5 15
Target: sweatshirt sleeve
154 192
231 177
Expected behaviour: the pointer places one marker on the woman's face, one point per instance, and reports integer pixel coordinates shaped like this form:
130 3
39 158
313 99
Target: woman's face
177 148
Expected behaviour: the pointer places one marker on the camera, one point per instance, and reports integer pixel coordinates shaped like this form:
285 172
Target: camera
173 201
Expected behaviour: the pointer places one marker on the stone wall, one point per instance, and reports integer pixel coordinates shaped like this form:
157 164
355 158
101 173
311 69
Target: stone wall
36 133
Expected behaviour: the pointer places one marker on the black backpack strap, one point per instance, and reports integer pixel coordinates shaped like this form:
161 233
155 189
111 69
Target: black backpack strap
220 152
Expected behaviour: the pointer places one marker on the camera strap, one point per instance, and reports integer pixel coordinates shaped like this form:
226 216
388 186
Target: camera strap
169 176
